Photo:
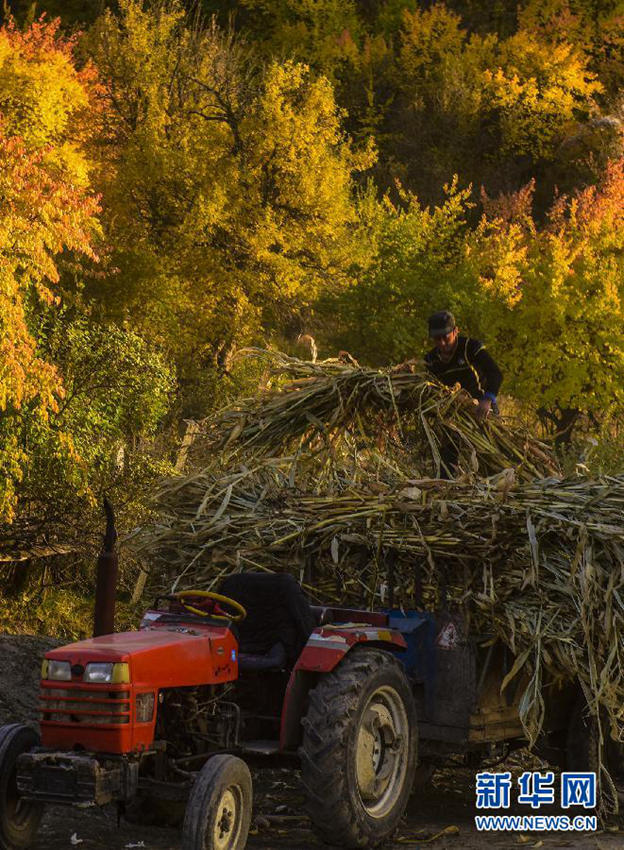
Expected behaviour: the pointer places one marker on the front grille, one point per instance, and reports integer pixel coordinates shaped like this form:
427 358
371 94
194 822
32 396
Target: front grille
81 705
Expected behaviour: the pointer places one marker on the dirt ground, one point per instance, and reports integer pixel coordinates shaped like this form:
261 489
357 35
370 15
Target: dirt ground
441 818
440 815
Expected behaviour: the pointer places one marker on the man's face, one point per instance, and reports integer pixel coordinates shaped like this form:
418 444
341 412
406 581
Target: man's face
446 344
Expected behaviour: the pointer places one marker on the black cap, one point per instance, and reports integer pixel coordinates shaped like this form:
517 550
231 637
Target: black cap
441 323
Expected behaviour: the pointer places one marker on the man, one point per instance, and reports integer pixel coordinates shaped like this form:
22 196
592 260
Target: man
460 360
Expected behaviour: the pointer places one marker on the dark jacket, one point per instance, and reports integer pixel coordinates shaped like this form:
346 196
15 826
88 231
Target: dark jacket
470 366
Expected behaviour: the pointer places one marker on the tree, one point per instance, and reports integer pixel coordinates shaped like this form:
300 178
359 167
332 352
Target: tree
46 207
437 126
321 33
563 337
228 187
546 298
420 265
537 92
99 438
593 27
498 111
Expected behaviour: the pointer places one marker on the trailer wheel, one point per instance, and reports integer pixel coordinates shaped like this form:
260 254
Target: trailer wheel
218 812
584 752
19 819
358 755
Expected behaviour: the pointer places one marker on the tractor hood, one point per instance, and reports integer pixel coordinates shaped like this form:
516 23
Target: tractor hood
162 657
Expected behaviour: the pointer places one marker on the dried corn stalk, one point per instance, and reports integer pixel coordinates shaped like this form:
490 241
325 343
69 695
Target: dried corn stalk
328 476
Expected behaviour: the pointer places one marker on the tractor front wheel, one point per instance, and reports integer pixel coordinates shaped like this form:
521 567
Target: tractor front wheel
19 819
218 812
358 755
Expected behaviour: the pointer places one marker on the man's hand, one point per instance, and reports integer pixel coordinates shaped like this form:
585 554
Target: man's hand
408 366
482 410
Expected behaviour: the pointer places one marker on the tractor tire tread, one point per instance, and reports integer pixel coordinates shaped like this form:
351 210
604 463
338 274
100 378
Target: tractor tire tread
327 725
15 739
215 775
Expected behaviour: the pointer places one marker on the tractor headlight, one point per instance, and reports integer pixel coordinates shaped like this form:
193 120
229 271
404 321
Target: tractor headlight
58 671
144 707
113 673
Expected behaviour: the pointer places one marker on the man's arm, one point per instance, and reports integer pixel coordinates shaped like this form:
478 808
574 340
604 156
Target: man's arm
493 376
488 368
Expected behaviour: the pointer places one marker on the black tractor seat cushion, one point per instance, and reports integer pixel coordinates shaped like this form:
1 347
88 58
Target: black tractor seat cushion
277 613
274 659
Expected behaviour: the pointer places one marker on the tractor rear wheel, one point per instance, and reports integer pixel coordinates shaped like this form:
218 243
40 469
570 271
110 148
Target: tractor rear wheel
359 750
218 812
19 819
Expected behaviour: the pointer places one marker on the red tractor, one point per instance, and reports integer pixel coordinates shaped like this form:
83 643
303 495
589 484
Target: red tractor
169 712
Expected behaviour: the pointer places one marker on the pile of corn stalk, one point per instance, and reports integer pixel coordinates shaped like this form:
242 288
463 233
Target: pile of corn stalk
333 476
321 402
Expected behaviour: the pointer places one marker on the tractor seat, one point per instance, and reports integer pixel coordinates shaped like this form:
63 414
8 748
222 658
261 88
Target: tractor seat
278 623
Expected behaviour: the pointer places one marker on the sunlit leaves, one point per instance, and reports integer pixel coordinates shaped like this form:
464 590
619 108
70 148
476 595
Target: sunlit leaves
538 89
547 298
229 192
45 208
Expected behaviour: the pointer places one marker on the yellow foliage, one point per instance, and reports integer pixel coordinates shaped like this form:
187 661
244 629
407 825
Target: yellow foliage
562 338
539 89
441 63
44 99
229 187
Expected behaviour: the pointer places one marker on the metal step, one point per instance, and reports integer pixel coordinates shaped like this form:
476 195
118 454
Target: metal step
262 748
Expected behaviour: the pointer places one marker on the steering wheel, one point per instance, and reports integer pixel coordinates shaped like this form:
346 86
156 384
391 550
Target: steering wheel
240 612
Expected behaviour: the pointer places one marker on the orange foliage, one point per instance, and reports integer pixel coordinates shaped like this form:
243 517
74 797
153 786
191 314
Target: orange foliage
46 208
602 207
512 207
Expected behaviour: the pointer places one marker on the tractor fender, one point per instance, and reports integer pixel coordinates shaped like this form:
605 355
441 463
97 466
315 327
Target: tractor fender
327 645
324 650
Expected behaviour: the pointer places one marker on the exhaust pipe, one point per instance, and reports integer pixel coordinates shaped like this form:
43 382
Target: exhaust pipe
106 582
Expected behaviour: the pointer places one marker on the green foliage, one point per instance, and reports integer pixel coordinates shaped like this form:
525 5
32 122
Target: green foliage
58 611
564 333
323 33
420 264
548 300
116 385
117 390
99 441
53 603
